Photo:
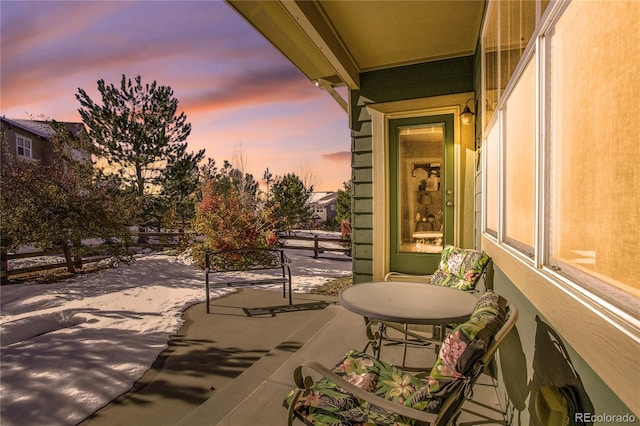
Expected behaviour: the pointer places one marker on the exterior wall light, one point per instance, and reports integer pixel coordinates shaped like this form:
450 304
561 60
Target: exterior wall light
466 116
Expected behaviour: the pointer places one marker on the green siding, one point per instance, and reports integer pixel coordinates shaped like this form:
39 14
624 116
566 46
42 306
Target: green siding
534 355
364 220
362 160
361 144
418 81
361 177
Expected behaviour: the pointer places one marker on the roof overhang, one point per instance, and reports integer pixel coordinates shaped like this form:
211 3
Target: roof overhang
333 42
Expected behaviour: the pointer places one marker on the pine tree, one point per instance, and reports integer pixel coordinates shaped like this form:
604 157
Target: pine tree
291 200
180 183
343 203
267 178
136 129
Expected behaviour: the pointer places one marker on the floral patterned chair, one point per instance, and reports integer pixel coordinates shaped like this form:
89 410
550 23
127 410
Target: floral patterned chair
458 268
361 390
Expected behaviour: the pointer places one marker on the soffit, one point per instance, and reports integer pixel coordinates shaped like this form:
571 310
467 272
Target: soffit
337 40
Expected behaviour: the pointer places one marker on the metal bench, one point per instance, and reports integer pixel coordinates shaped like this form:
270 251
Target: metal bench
248 259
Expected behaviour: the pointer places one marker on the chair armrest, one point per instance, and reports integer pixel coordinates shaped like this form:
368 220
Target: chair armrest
399 276
305 382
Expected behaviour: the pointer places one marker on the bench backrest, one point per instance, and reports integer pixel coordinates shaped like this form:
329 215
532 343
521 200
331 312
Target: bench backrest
244 259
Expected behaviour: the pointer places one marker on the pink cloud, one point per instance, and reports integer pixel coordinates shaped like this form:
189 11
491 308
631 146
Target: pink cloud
250 87
338 157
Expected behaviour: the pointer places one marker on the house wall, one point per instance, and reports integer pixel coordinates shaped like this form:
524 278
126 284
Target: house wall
554 328
38 144
417 81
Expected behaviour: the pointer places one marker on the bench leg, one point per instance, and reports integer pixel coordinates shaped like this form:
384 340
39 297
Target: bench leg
206 280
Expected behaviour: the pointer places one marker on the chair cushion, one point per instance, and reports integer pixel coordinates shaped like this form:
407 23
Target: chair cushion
460 351
326 403
460 268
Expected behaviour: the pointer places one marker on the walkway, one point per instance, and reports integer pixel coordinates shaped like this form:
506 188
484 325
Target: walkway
233 367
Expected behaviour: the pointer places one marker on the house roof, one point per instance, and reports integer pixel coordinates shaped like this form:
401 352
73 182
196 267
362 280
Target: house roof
322 198
40 127
332 42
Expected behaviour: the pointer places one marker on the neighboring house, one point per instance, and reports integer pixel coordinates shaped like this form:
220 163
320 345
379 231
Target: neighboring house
542 173
323 205
29 140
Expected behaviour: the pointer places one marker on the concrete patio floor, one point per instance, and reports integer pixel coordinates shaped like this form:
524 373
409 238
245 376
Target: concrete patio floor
234 366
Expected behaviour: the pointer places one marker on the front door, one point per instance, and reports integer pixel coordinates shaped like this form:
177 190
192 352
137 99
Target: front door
421 191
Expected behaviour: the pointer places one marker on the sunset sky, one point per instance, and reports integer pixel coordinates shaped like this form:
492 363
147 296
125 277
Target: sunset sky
239 93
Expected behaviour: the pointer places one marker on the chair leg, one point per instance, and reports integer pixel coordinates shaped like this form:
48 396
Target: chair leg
404 347
378 347
375 338
440 331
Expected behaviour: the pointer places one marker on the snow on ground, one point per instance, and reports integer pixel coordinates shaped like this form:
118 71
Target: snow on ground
69 348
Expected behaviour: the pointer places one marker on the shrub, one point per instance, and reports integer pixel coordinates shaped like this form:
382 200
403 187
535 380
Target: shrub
229 220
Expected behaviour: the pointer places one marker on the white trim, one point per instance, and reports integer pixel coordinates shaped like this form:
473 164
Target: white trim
540 175
380 174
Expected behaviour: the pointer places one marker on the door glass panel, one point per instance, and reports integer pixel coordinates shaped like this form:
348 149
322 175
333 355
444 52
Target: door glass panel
420 204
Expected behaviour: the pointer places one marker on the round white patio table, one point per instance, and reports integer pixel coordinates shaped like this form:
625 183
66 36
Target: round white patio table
408 303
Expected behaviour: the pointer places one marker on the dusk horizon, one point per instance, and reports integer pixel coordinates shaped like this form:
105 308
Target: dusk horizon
239 93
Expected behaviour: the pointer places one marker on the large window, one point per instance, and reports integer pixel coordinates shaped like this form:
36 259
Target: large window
594 173
570 100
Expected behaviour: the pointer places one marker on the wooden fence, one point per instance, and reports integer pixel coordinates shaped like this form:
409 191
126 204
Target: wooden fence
93 254
344 245
166 239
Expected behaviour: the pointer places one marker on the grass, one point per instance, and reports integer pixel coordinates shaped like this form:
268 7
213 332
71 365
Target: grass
334 287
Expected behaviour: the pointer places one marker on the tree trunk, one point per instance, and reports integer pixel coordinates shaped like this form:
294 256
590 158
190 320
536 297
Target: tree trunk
4 266
77 259
68 258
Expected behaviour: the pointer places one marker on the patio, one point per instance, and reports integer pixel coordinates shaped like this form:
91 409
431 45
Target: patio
234 366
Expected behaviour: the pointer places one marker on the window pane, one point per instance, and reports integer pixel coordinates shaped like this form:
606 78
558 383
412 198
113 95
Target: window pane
490 44
593 86
519 153
492 160
517 22
421 156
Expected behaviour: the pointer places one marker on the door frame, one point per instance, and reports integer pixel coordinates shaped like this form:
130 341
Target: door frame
380 116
